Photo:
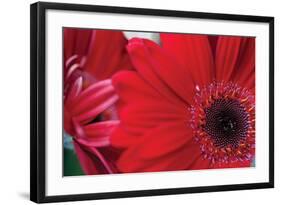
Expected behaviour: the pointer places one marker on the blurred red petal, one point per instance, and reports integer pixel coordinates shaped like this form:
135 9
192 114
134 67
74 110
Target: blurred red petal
163 140
100 105
107 54
227 53
85 160
74 91
96 97
100 129
180 159
140 106
194 54
244 73
155 66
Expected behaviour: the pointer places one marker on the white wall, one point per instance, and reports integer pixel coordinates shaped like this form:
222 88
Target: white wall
14 99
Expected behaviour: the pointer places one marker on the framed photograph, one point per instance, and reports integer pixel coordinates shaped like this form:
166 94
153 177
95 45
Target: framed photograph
129 102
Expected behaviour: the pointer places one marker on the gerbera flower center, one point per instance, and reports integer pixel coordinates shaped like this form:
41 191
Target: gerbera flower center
226 122
223 122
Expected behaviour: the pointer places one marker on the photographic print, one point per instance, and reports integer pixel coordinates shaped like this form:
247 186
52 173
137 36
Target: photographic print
151 102
132 102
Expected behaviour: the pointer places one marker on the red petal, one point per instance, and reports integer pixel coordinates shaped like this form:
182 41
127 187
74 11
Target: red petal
199 163
250 82
104 162
85 160
67 122
92 89
97 134
245 66
134 90
74 91
83 39
131 87
163 140
93 161
138 118
120 139
227 52
98 130
159 69
213 39
92 100
70 71
141 107
68 42
194 53
177 160
76 41
99 105
98 142
107 54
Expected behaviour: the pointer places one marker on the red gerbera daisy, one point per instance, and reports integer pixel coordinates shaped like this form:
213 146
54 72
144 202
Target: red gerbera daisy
189 104
89 115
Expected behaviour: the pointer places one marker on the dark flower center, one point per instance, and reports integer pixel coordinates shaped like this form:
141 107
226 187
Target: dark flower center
223 122
226 122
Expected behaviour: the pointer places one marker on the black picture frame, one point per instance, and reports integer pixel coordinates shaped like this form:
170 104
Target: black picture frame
38 101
